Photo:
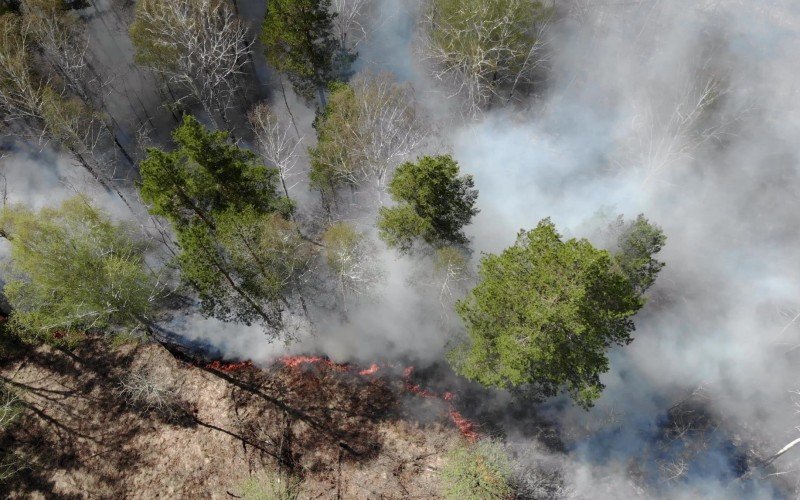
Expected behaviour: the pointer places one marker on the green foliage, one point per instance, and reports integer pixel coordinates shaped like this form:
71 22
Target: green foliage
331 158
72 269
400 226
271 486
238 250
298 40
204 175
636 244
477 472
434 203
350 258
545 313
10 413
339 241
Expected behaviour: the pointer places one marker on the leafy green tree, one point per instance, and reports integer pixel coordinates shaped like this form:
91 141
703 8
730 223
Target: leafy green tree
299 41
204 175
73 270
480 471
433 203
637 242
544 314
237 248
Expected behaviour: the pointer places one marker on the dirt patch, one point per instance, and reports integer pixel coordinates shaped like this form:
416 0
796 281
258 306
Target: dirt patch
344 434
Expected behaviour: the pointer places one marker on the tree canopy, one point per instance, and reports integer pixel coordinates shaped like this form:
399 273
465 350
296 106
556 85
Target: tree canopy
478 46
369 126
238 250
73 270
298 40
434 203
637 242
544 313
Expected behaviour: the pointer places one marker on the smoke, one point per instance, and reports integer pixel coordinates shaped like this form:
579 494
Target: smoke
686 111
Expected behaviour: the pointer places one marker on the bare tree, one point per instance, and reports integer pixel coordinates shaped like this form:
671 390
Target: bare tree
276 145
64 46
478 48
21 92
351 25
371 126
57 33
32 102
662 137
351 259
198 44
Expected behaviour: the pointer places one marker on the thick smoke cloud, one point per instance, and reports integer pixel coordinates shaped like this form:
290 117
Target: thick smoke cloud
686 111
619 128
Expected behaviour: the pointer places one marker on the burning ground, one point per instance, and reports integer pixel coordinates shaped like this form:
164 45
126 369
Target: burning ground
349 432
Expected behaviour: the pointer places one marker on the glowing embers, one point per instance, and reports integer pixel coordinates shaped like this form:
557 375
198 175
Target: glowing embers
298 361
222 366
467 428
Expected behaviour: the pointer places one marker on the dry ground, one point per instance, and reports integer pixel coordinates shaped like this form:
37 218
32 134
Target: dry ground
345 435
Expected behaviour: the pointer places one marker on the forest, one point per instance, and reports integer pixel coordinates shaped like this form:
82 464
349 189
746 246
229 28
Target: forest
476 249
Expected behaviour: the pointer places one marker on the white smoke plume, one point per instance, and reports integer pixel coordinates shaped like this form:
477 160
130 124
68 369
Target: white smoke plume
686 111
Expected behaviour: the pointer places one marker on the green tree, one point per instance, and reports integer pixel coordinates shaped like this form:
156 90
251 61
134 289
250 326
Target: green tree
637 242
299 41
204 175
10 413
480 471
433 203
237 248
73 270
544 314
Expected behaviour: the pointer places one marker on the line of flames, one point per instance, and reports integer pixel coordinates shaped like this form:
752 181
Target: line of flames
467 428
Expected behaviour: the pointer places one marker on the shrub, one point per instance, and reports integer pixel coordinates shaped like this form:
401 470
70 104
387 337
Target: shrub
271 486
480 471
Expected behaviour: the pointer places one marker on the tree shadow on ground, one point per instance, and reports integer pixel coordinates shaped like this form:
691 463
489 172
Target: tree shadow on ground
73 418
308 418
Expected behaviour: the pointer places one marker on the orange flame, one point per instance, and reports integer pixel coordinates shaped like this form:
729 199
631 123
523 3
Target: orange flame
467 428
297 361
229 367
372 370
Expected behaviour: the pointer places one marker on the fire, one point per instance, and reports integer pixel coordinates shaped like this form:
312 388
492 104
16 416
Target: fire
467 428
297 361
416 389
372 370
229 367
